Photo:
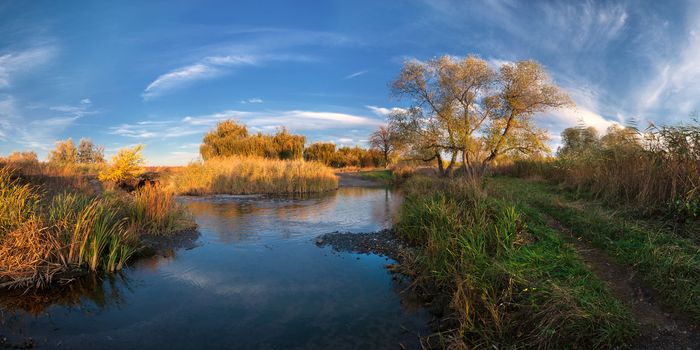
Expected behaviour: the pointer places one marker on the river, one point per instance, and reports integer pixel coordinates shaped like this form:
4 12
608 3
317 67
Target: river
255 280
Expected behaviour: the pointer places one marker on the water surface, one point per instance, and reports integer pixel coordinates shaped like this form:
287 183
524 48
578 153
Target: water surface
255 281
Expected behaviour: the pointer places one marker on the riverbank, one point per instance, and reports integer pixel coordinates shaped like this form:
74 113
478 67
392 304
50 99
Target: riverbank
365 178
51 235
499 267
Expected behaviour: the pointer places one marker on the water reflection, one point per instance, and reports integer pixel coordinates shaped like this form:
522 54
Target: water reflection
256 281
352 209
92 292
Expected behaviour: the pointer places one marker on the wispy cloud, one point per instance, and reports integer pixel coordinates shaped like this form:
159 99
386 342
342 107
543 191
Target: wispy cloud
212 67
384 112
252 100
40 129
295 120
356 74
178 77
676 81
77 111
22 61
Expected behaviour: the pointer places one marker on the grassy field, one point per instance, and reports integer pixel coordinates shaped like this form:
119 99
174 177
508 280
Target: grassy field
666 258
251 175
512 281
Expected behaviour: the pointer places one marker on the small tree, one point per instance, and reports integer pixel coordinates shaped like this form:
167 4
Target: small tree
126 166
64 153
88 152
383 140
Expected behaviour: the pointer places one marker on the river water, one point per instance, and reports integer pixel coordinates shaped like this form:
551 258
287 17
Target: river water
255 280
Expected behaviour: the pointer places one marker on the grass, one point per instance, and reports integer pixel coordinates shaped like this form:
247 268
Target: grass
669 262
512 280
44 235
656 171
382 176
252 175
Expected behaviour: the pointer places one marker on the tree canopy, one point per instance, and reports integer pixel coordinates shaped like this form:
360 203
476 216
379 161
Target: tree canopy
462 106
230 138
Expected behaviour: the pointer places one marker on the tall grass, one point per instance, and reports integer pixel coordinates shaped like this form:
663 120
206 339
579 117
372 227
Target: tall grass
513 283
655 170
252 175
155 210
17 202
42 237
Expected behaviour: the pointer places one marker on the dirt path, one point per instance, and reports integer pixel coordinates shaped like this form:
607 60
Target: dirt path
354 179
659 326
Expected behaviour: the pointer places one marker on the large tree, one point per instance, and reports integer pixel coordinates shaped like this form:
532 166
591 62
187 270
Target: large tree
465 107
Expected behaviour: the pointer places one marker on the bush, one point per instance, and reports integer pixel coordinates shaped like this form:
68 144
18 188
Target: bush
126 166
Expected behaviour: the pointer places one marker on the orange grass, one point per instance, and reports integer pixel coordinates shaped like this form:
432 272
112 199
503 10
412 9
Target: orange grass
253 175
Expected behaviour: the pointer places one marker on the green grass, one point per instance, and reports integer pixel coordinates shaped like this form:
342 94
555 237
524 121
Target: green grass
513 281
669 262
383 176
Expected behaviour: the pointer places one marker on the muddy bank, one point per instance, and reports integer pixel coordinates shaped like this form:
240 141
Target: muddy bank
383 243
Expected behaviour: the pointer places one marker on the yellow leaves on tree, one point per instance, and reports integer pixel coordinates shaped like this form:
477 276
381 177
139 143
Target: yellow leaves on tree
126 165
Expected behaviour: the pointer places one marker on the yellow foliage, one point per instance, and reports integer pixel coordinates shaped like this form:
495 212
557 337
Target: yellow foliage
126 165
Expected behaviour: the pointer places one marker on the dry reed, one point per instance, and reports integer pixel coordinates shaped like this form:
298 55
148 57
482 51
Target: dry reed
252 175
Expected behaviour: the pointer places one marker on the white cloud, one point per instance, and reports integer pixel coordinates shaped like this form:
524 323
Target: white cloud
34 133
676 83
356 74
252 100
178 77
384 112
295 120
18 62
211 67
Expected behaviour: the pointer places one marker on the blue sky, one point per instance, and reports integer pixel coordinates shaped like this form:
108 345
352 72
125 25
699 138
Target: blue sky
163 73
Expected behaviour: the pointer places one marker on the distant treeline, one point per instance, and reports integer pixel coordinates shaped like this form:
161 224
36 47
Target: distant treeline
326 153
230 139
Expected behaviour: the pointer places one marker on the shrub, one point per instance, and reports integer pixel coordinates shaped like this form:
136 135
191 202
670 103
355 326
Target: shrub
126 166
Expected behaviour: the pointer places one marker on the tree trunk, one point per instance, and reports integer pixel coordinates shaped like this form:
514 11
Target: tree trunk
453 159
440 166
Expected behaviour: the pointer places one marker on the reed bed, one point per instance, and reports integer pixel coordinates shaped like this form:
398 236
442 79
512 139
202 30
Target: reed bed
44 236
656 170
252 175
510 280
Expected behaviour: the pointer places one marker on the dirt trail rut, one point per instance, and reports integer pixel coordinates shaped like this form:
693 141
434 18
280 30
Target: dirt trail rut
659 326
